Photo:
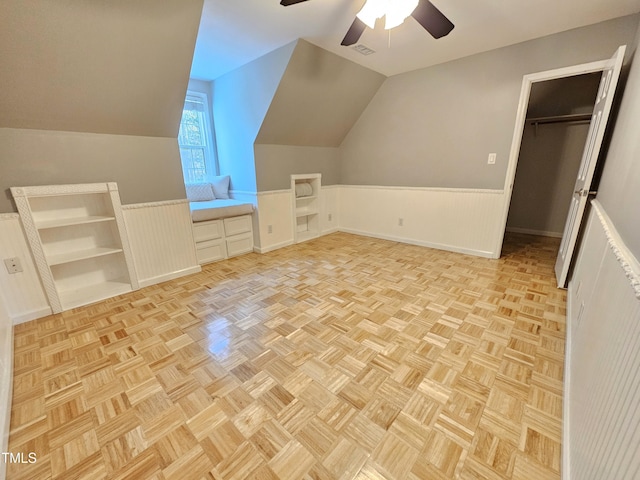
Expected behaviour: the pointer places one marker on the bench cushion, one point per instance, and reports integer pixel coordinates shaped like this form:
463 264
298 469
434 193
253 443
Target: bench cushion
202 211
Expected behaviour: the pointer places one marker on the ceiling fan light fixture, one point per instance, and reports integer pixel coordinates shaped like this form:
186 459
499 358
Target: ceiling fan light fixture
373 10
398 11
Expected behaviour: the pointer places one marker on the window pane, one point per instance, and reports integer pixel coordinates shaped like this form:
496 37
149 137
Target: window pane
194 166
192 130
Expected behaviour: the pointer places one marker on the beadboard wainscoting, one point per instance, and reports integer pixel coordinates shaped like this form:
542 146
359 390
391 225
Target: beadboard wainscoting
23 293
602 373
6 379
273 210
329 209
457 220
161 240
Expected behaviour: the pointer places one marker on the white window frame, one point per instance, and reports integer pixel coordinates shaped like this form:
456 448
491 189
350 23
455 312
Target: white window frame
211 164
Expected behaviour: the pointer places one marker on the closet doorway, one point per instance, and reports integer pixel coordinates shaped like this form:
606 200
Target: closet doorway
609 72
553 140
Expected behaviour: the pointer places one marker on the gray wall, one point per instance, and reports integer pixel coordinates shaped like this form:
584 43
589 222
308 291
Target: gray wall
435 127
320 97
116 67
93 92
240 102
147 169
619 189
275 164
547 170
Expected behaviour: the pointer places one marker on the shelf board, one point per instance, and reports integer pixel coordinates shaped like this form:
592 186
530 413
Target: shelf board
308 197
67 222
303 212
68 257
92 293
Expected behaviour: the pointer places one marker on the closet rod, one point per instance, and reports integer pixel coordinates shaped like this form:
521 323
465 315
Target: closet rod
578 117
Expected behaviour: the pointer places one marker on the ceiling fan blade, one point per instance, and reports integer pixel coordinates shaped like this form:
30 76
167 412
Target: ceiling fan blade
286 3
354 32
432 19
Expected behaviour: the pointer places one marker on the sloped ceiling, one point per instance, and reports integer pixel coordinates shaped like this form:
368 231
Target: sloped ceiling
102 66
320 97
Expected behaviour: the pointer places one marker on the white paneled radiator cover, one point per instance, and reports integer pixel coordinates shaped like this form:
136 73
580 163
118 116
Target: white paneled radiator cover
602 379
161 240
459 220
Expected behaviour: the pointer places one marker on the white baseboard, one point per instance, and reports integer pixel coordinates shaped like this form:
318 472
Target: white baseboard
329 232
169 276
420 243
540 233
565 467
271 248
6 393
32 315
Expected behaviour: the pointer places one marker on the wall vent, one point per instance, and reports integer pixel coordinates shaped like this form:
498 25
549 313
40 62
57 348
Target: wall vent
363 49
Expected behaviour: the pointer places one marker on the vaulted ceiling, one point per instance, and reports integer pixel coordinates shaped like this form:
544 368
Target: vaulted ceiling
232 32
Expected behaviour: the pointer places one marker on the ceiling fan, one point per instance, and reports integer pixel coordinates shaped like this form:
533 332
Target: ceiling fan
425 12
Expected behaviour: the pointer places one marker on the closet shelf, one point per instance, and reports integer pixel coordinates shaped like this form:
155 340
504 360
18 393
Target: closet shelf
68 222
75 256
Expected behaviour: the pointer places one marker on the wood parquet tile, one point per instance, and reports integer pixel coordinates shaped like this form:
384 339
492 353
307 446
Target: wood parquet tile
341 358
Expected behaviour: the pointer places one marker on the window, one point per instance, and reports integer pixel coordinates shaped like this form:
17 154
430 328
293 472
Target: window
195 140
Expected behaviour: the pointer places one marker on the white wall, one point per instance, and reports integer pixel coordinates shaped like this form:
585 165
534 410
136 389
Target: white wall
161 239
275 208
240 102
457 220
602 377
23 292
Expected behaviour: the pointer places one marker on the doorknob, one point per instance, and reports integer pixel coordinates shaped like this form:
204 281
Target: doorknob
583 192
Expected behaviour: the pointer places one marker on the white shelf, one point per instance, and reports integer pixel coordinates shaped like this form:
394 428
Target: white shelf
69 222
92 293
78 240
75 256
304 211
306 218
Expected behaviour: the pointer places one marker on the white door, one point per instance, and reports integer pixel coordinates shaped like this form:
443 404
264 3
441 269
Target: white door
601 111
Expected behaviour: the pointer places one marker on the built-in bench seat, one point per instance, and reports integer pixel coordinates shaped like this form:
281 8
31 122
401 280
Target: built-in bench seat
223 208
222 226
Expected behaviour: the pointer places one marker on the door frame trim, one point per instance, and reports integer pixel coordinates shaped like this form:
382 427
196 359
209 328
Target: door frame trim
518 131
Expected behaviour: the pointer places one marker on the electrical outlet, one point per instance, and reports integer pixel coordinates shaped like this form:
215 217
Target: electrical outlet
400 222
269 228
13 265
329 217
492 159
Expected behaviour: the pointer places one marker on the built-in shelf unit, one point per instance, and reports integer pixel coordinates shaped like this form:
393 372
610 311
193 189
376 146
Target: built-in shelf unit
78 241
306 206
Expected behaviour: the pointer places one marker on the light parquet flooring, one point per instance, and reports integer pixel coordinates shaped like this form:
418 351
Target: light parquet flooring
341 358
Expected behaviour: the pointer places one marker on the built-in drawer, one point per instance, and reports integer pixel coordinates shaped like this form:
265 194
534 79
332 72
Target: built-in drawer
207 230
239 244
236 225
211 250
